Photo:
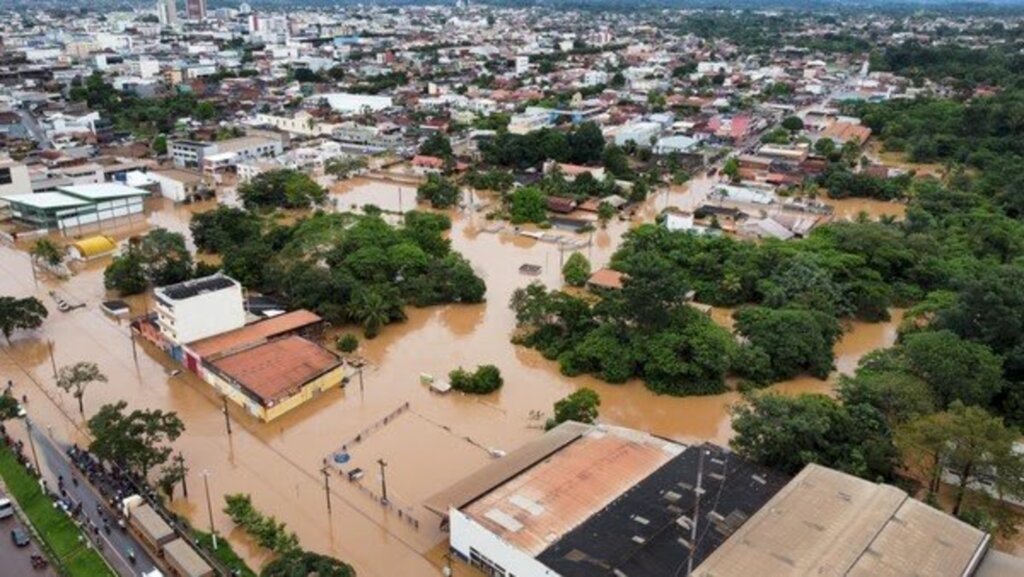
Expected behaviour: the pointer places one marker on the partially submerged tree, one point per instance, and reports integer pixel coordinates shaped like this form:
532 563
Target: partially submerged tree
137 441
47 251
76 378
580 406
15 314
576 270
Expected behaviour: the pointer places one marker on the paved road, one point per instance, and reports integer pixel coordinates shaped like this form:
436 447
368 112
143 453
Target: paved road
54 462
18 560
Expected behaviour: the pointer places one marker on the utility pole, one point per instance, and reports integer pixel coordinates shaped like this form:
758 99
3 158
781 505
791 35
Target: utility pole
327 485
227 416
209 505
698 491
360 380
383 481
32 444
180 459
53 362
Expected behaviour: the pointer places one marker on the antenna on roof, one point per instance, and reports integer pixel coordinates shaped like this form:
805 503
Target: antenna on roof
698 491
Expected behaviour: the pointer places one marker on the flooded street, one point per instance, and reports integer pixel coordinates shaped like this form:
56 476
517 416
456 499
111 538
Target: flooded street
438 440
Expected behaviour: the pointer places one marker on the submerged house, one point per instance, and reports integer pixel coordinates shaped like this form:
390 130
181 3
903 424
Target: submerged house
268 367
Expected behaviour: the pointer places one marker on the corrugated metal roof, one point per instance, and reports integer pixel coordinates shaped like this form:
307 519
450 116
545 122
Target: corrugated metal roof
95 245
828 523
569 486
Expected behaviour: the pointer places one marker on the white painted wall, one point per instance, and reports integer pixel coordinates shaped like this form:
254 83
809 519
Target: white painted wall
465 533
204 315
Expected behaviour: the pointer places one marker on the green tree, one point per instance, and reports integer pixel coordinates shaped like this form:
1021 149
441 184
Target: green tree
372 309
825 147
305 563
576 270
605 212
976 447
284 188
438 191
205 111
580 406
437 144
732 169
15 314
76 378
788 433
793 123
223 228
796 341
165 257
126 274
136 440
45 250
485 379
527 204
586 143
9 407
348 343
956 370
160 144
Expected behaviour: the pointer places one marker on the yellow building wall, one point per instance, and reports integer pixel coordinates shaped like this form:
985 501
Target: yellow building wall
324 382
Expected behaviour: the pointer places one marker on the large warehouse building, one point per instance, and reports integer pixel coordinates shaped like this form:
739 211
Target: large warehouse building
601 501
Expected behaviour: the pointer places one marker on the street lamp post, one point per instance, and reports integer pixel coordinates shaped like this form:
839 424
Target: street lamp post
180 459
32 444
327 485
209 505
383 481
227 416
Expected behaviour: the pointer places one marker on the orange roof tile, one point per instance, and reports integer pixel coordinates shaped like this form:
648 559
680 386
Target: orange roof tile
253 333
607 278
277 369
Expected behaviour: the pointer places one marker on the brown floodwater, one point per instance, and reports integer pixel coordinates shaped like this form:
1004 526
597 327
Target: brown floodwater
436 441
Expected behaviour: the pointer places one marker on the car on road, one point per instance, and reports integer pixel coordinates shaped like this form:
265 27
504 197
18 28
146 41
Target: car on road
20 537
6 508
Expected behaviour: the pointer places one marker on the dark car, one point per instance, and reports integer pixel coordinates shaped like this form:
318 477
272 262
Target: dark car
20 537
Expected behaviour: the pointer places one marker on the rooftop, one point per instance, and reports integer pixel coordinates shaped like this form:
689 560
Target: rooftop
277 369
253 333
545 502
104 191
46 200
196 287
825 522
606 278
646 531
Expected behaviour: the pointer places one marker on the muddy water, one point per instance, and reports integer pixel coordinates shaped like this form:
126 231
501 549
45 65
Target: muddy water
852 208
438 440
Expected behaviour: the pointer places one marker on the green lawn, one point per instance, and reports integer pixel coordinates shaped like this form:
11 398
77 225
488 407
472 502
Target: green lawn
59 533
224 553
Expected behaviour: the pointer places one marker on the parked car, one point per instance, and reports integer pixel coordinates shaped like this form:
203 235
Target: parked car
20 537
6 508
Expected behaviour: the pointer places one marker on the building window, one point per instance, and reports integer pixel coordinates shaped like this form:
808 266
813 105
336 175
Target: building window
5 176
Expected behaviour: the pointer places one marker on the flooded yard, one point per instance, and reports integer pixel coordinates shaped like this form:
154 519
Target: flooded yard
436 441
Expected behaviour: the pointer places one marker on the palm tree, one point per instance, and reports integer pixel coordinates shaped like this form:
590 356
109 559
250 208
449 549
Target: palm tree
371 310
75 378
45 250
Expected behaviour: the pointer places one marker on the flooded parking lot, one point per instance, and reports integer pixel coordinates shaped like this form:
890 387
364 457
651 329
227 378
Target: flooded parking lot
437 440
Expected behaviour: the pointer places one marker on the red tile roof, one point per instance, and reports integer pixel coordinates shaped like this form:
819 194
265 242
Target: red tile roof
278 369
253 333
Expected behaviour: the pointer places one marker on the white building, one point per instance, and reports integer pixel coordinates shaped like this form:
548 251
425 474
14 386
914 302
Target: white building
199 308
180 185
588 496
643 134
14 178
522 65
530 120
356 103
302 123
167 13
